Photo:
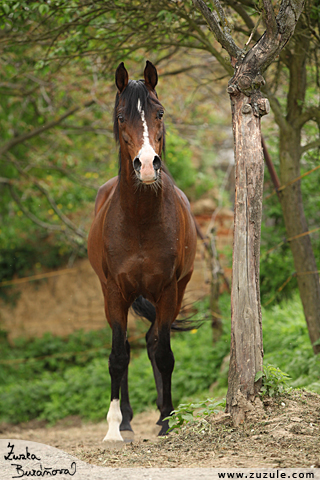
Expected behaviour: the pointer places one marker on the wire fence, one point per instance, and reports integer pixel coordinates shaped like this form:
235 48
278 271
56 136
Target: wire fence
293 275
39 276
286 240
280 189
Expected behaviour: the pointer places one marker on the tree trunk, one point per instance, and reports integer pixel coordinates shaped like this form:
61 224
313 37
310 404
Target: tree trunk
296 223
246 327
247 106
215 279
291 198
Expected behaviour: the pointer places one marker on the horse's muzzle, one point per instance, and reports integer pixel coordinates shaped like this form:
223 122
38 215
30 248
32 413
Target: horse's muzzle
147 171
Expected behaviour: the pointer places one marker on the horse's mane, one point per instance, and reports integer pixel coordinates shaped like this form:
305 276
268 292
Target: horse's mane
134 91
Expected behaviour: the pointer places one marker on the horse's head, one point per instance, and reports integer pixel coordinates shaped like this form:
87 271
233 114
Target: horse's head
138 122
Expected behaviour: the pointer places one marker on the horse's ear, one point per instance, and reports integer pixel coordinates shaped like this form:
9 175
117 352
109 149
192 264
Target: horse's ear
122 77
150 75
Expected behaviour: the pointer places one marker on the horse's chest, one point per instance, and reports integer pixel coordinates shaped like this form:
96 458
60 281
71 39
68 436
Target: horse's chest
141 264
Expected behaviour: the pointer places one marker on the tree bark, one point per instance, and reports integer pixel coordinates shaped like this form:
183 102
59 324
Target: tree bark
246 327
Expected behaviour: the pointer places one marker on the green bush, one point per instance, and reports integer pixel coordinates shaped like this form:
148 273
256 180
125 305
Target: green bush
179 161
274 381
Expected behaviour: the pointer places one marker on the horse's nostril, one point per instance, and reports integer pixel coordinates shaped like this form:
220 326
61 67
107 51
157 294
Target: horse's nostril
137 164
156 162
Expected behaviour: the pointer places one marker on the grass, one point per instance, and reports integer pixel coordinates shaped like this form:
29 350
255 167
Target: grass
287 344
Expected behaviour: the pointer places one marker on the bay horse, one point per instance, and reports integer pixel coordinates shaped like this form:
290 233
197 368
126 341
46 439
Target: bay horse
141 244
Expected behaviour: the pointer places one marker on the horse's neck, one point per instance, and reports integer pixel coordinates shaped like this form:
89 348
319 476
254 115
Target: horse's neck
138 201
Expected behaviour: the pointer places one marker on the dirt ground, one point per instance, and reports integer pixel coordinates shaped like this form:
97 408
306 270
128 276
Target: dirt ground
282 432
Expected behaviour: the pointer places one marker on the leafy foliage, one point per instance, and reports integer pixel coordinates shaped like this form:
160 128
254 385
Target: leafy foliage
192 412
274 381
179 160
287 344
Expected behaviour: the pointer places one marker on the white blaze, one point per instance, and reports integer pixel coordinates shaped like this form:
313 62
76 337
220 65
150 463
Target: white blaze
145 126
147 153
114 419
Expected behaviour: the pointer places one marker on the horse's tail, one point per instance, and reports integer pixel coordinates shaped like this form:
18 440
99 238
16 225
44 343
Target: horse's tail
144 308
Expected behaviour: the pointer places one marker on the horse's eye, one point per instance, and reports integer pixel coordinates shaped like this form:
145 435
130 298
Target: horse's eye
160 114
121 118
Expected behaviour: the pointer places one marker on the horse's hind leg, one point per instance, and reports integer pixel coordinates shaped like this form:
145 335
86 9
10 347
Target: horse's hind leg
168 310
125 406
163 355
152 342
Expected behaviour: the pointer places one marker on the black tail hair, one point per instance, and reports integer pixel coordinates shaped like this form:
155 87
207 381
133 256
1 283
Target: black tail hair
144 308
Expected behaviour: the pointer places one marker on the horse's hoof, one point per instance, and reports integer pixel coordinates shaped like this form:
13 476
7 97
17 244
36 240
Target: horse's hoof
114 444
110 439
125 427
113 435
159 422
164 429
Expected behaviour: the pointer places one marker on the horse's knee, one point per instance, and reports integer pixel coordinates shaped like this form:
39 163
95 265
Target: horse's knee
118 362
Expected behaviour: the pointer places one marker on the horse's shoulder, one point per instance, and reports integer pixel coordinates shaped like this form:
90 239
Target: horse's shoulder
104 192
183 197
169 185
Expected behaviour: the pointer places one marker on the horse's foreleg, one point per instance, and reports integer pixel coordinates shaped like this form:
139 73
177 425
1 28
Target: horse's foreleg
125 406
118 364
116 313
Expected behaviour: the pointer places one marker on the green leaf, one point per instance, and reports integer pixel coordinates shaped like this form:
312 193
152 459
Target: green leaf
258 376
188 417
6 8
43 8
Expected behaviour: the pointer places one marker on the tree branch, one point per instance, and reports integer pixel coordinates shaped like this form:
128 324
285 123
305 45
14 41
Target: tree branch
183 70
33 218
26 136
237 7
51 201
310 146
277 34
311 113
270 19
5 181
218 24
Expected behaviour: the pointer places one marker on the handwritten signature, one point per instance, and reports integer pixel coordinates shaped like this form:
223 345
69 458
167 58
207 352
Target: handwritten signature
22 471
